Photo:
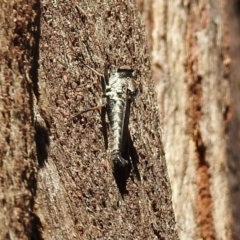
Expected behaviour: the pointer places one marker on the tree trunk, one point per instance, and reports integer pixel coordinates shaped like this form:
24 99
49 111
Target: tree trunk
18 61
78 196
194 56
195 59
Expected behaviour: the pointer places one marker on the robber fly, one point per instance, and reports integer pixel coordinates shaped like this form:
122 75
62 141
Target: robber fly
119 90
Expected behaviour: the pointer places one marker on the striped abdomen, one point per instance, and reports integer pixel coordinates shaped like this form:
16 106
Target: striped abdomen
116 115
119 92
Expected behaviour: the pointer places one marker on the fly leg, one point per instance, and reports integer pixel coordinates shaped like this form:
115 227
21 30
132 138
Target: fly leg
89 109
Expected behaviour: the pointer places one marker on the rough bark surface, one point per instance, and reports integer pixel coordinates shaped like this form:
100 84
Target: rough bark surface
18 58
194 49
198 99
233 113
78 197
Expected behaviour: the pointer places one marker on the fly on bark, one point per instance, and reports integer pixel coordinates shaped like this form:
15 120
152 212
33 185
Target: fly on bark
119 91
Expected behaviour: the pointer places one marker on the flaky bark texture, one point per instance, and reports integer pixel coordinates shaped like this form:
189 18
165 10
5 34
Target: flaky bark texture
233 117
78 196
197 80
18 58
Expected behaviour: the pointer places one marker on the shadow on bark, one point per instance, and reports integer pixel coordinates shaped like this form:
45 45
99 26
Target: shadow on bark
41 135
42 143
122 174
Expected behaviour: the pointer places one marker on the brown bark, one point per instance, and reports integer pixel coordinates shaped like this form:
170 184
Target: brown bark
18 42
233 113
193 50
197 82
78 197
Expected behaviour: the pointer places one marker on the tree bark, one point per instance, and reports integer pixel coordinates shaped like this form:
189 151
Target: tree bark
18 61
194 54
78 196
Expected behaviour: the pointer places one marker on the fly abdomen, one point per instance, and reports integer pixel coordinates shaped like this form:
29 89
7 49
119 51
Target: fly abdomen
115 114
119 93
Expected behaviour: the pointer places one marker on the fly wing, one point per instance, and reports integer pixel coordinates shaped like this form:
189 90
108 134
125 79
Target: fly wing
104 78
126 113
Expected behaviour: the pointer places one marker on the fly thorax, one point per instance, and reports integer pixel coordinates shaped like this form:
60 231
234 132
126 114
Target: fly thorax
116 87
